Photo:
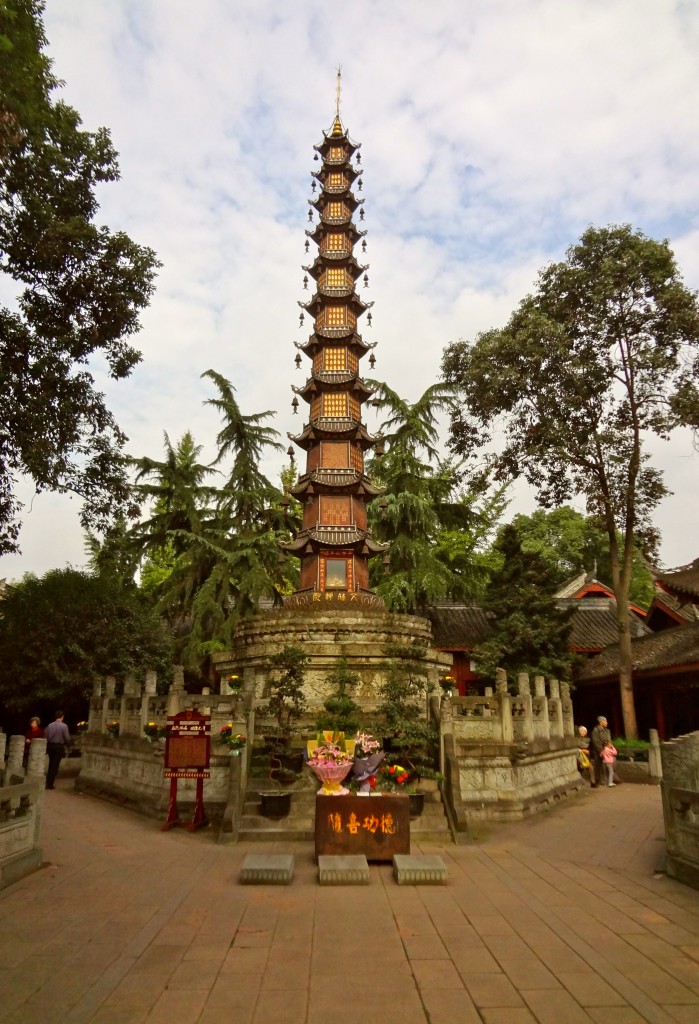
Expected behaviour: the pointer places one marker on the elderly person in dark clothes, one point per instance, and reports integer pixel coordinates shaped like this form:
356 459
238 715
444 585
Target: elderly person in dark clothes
57 743
600 736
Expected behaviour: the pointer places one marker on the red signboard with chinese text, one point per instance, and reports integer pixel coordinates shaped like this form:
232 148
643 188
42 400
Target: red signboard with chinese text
187 750
188 745
376 826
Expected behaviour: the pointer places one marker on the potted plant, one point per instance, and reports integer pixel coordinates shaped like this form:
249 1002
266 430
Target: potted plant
153 732
113 729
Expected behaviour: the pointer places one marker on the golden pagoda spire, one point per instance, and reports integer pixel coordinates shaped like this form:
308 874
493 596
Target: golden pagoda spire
337 128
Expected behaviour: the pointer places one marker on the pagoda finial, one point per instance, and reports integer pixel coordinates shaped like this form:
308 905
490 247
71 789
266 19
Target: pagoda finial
337 128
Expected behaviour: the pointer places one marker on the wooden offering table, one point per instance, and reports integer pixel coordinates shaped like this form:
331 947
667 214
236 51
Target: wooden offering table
376 826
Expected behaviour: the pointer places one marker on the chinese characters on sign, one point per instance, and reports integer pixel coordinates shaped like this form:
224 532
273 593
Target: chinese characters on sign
353 824
378 827
334 598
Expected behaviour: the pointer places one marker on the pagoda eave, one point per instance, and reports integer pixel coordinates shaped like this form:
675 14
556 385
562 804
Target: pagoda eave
314 343
322 481
322 538
321 383
337 430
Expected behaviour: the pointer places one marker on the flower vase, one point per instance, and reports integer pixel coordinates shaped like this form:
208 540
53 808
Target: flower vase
331 775
234 752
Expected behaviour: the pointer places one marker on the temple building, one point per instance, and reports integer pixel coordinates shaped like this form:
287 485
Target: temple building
334 543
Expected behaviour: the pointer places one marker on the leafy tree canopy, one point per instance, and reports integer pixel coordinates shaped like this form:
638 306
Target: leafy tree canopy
604 353
59 632
209 543
437 529
80 289
570 542
529 632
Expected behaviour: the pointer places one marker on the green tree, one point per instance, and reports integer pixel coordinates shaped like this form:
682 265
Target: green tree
571 542
211 552
402 710
529 632
81 288
59 632
341 713
287 703
435 528
602 355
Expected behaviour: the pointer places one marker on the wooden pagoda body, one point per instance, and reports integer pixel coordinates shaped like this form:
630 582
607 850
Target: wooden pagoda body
334 543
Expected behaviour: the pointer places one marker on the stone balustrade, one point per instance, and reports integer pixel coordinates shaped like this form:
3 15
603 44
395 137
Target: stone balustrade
21 798
506 755
680 791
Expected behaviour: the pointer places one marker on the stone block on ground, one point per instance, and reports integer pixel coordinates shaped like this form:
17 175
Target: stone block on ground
267 869
343 870
414 869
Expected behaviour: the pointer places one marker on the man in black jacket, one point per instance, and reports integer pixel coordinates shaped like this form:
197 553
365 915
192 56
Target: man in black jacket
600 736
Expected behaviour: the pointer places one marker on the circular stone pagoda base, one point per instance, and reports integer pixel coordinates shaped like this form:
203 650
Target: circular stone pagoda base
359 632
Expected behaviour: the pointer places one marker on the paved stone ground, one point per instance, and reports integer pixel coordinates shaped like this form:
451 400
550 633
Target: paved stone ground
564 918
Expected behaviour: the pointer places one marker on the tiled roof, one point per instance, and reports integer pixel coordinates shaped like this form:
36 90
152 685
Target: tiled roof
667 649
458 627
668 603
685 579
594 625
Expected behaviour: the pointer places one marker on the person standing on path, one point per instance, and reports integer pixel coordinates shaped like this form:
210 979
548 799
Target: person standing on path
57 742
600 736
34 732
585 766
608 758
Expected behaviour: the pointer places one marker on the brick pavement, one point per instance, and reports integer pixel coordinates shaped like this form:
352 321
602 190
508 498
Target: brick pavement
560 919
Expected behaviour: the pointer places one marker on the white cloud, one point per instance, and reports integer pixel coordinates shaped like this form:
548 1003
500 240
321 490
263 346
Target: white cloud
493 134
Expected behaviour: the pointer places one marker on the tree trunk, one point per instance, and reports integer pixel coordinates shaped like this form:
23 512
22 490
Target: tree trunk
628 708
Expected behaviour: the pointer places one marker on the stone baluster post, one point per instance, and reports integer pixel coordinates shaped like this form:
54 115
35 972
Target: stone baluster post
150 688
555 709
36 765
540 692
176 691
507 732
109 694
94 716
525 695
655 765
131 689
446 727
15 756
567 708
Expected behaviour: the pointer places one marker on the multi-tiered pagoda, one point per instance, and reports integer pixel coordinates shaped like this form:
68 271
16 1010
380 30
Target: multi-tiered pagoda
334 544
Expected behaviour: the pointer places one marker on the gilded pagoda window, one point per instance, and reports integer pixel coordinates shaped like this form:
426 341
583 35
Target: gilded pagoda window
335 573
335 316
335 241
352 362
334 277
334 404
334 510
334 455
336 179
335 359
336 153
336 210
354 407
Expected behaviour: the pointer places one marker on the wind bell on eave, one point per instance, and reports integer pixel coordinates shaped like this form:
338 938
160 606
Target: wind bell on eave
334 544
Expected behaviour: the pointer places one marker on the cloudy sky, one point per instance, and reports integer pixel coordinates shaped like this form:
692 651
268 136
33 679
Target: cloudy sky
493 133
